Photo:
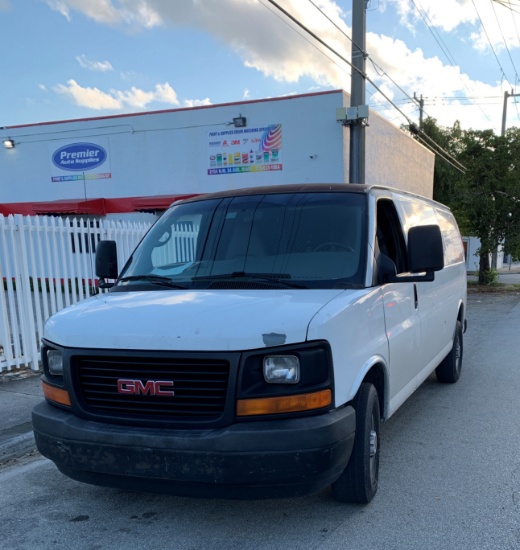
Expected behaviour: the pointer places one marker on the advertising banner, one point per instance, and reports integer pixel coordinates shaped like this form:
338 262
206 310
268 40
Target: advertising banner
79 160
245 150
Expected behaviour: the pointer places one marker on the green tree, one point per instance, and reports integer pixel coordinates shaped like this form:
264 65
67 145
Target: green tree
491 195
486 198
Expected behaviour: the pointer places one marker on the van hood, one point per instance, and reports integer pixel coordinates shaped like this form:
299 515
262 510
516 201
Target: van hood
224 320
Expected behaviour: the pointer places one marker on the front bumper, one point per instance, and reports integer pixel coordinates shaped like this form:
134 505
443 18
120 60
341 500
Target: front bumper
265 459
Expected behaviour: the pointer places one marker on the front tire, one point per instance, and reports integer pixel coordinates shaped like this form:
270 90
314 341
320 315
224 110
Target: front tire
449 370
358 482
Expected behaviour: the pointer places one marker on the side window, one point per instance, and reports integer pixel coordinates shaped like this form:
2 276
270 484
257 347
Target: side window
453 247
389 234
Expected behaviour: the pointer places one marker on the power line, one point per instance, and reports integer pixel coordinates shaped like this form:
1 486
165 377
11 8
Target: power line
379 70
508 4
302 35
505 42
416 130
382 73
330 48
490 44
445 49
427 21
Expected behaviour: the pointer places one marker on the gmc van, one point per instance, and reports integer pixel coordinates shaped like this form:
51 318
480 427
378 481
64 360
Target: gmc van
253 343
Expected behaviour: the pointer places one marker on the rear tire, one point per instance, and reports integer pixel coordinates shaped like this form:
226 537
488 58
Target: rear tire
358 482
448 371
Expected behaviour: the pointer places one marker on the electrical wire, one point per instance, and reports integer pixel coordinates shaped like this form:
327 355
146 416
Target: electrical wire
416 130
428 22
446 51
379 70
302 35
505 42
489 42
508 4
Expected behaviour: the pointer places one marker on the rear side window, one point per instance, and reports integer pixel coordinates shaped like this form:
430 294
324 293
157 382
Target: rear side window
389 234
453 247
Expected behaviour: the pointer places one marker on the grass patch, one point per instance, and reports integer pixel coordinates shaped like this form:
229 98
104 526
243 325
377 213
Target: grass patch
473 286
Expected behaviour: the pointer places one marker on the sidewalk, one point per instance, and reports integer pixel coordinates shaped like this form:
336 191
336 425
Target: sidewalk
20 391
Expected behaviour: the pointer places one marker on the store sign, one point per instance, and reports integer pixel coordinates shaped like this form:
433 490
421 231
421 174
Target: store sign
79 156
245 150
91 159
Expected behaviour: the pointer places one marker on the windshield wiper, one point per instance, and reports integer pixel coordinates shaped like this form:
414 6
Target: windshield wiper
273 278
154 279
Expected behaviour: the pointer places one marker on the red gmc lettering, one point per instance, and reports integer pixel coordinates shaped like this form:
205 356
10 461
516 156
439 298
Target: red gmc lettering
150 387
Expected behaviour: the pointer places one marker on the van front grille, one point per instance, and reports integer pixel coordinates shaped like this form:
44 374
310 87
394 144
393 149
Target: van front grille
162 389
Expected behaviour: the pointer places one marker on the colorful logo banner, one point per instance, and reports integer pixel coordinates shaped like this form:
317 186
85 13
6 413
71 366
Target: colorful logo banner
245 150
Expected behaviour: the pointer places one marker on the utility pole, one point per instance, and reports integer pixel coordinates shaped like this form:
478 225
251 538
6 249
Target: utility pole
504 110
357 93
420 101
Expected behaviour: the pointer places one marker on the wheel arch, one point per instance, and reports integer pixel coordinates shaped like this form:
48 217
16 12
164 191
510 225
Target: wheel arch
376 373
461 316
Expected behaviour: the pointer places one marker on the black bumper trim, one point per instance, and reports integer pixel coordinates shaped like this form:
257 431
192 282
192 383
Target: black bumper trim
265 459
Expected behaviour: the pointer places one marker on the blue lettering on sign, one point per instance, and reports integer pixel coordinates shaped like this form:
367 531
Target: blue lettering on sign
79 156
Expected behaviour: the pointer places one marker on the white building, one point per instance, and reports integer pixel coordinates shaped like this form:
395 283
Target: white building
112 166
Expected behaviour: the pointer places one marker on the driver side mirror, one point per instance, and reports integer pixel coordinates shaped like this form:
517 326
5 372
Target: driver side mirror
106 263
425 255
425 249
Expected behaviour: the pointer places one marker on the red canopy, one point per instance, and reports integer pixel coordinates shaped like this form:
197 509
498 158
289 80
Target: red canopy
98 207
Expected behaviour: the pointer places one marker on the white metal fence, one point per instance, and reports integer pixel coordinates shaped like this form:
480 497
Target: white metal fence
46 264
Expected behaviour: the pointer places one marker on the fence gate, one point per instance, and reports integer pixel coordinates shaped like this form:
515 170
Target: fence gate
46 264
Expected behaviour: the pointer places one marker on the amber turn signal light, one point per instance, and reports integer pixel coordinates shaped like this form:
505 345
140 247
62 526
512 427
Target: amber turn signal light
285 404
58 395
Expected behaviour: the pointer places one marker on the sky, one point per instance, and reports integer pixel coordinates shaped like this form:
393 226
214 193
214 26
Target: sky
70 59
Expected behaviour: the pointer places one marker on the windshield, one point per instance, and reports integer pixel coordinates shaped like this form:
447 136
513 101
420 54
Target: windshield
300 240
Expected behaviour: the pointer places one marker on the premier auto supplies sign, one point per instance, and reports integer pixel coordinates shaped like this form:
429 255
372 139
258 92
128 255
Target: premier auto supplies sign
73 161
245 150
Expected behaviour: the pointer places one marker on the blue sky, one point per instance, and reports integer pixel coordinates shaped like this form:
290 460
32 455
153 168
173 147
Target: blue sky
66 59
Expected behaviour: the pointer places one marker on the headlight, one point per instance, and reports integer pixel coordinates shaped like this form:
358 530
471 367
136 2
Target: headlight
282 369
55 362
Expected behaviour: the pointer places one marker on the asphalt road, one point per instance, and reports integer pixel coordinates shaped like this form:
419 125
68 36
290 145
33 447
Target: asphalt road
450 478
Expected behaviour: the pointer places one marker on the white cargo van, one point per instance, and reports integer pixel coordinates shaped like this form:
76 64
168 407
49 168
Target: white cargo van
253 342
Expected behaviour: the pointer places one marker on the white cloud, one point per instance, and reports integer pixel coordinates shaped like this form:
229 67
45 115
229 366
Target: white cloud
138 13
94 98
490 23
86 63
140 99
101 11
197 102
443 14
287 54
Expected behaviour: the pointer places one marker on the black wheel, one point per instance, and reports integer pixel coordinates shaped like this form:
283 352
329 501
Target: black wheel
449 370
358 482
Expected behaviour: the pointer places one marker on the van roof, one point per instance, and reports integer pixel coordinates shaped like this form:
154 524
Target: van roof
305 188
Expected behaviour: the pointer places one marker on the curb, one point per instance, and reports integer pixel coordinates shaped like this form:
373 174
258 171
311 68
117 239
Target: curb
18 374
17 447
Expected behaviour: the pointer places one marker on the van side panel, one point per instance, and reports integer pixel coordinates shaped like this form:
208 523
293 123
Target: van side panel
354 325
438 301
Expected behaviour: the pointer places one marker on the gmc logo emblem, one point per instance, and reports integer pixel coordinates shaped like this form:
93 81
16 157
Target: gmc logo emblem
150 387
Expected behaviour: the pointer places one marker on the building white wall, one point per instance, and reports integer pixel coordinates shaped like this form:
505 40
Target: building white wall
165 153
390 157
472 246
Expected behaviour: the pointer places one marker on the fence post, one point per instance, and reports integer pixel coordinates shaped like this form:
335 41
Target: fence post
27 324
4 323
